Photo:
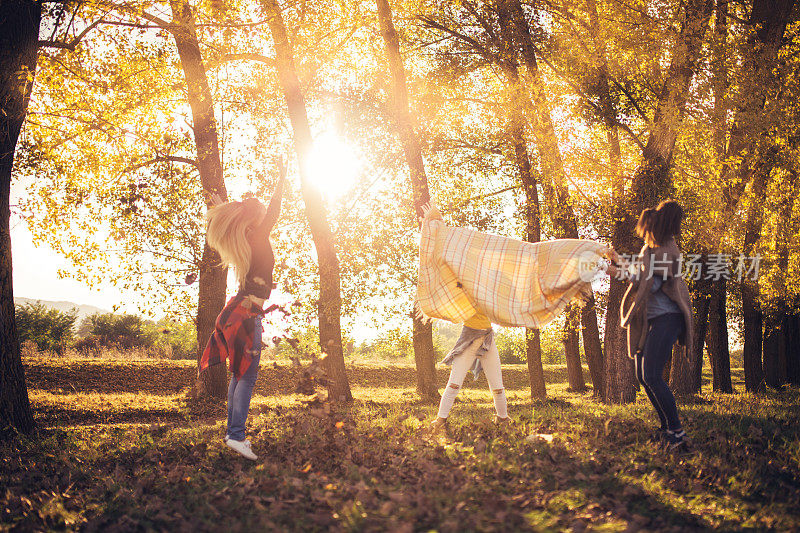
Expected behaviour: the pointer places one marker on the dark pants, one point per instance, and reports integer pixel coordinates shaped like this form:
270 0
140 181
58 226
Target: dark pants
662 333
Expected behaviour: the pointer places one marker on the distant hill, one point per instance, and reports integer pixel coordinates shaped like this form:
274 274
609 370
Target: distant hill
83 310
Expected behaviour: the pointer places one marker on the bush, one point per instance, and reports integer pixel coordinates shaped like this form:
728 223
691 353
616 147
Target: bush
176 340
166 338
122 331
395 344
512 346
49 329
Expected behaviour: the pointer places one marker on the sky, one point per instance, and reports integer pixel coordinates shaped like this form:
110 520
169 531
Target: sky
36 275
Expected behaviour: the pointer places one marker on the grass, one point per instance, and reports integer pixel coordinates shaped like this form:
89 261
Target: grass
120 447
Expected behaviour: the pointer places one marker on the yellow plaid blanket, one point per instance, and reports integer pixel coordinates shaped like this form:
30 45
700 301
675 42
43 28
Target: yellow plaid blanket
513 283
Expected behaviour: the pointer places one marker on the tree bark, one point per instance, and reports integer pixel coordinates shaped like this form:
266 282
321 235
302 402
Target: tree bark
212 280
424 358
651 181
19 38
533 233
753 337
793 349
423 333
532 210
681 373
751 305
592 348
614 334
330 303
701 301
778 320
554 185
717 338
571 349
533 354
774 349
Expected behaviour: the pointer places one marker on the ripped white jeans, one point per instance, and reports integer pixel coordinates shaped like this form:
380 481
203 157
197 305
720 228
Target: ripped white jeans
494 376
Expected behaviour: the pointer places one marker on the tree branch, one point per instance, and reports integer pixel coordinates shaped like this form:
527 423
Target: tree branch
161 159
481 197
243 56
74 42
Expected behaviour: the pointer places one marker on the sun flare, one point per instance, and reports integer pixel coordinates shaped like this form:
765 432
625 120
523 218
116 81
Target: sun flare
333 166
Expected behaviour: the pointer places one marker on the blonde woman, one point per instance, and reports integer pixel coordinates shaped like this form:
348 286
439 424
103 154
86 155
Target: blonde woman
239 231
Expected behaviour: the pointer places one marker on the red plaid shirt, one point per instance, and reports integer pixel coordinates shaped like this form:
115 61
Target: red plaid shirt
233 337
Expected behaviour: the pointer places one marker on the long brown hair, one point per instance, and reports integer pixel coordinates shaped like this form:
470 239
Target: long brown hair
657 226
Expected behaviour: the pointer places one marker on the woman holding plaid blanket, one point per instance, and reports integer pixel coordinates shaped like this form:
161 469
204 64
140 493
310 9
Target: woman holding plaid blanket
477 280
239 231
656 311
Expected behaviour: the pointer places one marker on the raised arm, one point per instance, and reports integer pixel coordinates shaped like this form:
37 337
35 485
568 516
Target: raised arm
274 207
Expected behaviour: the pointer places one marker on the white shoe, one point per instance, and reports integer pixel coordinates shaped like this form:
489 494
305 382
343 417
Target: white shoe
242 447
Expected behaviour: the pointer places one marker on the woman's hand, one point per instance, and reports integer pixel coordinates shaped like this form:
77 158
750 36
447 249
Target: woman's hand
430 211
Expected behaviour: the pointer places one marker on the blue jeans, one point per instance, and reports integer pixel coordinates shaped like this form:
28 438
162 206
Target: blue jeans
241 390
662 333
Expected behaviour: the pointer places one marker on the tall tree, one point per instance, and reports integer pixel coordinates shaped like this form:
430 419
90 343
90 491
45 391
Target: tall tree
424 355
651 181
213 276
778 318
611 121
686 372
532 212
554 184
716 329
768 22
751 305
19 37
329 304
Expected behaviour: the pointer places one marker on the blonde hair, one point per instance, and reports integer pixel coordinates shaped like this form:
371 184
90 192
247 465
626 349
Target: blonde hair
226 230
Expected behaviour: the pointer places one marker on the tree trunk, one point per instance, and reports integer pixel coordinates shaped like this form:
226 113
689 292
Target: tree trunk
681 372
571 349
701 301
709 322
778 319
774 349
554 181
533 354
330 304
614 335
620 379
19 43
651 181
522 162
793 349
212 278
751 305
425 360
592 348
753 337
423 334
717 338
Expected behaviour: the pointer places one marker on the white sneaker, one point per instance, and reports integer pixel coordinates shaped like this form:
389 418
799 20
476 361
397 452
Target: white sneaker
242 447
